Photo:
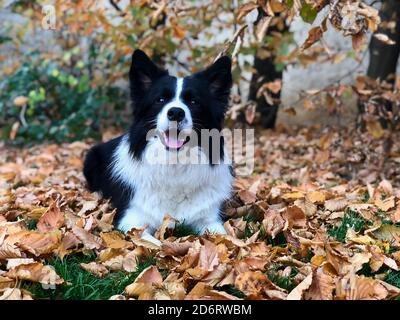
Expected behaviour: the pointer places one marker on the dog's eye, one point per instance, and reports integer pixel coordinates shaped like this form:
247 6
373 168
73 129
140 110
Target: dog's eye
161 100
193 101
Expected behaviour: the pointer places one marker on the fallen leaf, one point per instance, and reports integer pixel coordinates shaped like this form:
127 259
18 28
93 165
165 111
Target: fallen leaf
295 217
97 269
336 204
115 240
322 286
89 240
145 282
15 294
273 223
386 204
51 219
35 272
35 242
298 292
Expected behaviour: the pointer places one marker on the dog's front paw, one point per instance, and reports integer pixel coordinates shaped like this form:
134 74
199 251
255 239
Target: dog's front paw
216 227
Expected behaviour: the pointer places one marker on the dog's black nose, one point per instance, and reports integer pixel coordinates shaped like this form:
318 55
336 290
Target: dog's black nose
176 114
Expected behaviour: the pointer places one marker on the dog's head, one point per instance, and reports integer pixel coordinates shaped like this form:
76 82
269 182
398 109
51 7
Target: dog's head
174 105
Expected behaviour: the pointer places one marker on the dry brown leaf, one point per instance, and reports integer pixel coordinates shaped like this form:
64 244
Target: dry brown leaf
9 251
168 222
14 294
386 204
144 284
208 256
316 197
336 204
130 262
52 219
356 287
115 240
389 233
298 292
314 35
69 242
295 217
88 206
6 282
247 197
175 248
89 240
291 196
12 263
36 272
322 286
97 269
273 223
252 282
245 9
35 242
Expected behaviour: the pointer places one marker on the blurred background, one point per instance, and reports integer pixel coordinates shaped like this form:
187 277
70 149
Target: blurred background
64 64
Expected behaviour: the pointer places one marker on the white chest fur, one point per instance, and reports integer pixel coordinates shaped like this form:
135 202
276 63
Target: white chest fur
192 193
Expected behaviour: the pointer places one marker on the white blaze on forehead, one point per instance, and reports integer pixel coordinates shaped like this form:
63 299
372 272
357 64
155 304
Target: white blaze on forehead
162 119
179 87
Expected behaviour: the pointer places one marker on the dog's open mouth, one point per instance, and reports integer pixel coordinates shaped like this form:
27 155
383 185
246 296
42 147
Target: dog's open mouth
175 139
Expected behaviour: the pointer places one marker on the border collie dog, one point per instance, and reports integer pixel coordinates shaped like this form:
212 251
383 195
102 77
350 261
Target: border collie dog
143 190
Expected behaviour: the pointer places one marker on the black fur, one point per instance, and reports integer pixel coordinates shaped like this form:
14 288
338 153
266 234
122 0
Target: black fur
96 170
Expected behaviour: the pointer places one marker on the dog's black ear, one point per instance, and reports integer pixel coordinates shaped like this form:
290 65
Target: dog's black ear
219 77
142 74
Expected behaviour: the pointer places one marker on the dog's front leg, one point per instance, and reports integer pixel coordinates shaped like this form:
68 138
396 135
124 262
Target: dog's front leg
216 227
213 224
132 219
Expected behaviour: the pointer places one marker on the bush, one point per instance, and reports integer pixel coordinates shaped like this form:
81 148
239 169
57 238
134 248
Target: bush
56 99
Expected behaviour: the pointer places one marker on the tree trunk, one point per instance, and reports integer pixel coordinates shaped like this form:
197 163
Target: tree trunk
384 57
265 72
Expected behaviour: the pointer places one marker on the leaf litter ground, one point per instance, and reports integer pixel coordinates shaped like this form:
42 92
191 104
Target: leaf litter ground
319 218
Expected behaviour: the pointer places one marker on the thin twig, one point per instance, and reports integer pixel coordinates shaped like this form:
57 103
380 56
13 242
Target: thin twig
22 116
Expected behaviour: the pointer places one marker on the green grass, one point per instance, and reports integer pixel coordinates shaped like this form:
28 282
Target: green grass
278 241
251 220
365 197
367 271
286 283
232 290
183 230
81 284
350 220
31 224
393 278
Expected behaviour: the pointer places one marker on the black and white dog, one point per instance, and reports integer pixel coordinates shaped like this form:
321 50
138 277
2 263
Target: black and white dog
144 191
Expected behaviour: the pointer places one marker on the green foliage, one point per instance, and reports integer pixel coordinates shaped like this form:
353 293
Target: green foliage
4 39
286 283
278 241
81 284
31 224
350 220
63 103
365 197
232 290
182 230
308 13
393 278
251 225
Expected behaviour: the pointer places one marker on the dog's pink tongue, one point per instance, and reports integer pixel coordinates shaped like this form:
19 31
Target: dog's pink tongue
174 143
